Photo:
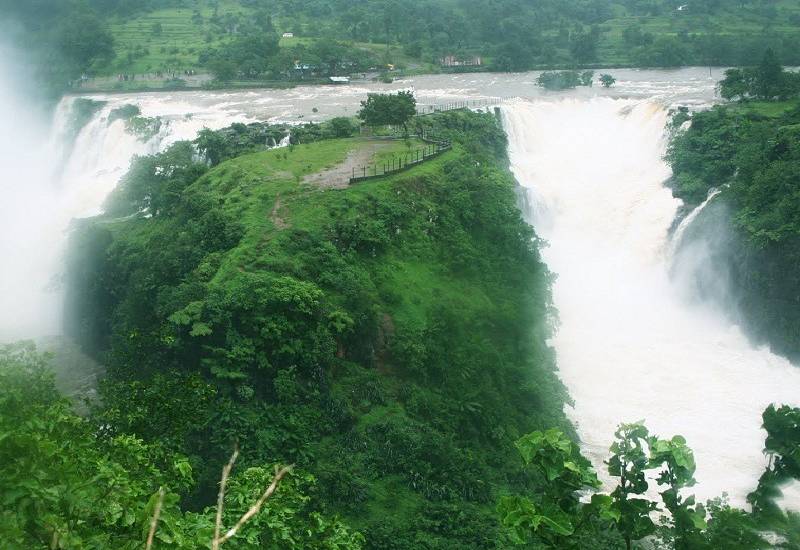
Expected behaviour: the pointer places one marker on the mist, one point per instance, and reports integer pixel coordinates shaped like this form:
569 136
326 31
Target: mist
641 336
31 223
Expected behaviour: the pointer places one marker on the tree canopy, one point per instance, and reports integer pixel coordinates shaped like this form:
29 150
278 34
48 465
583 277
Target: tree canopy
388 109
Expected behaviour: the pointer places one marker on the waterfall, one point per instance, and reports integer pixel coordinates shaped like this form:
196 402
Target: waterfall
629 345
286 141
29 209
51 179
677 237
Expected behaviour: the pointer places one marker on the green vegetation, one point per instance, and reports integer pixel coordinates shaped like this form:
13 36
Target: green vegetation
768 81
607 80
388 338
752 151
167 43
389 109
63 486
555 517
565 80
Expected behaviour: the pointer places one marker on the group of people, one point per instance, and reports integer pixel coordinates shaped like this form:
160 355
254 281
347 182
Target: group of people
124 77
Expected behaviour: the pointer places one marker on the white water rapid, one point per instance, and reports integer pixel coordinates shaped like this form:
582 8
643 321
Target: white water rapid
677 236
629 347
51 179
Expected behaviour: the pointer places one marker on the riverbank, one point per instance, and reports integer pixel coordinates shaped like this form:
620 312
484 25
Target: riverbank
110 86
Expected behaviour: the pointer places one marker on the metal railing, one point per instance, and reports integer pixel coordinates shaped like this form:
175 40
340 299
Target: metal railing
461 104
404 161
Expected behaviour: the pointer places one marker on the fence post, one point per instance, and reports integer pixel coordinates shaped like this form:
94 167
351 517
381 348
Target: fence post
354 172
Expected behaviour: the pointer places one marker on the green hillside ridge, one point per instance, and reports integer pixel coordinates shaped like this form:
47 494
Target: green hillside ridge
386 337
622 33
751 151
126 45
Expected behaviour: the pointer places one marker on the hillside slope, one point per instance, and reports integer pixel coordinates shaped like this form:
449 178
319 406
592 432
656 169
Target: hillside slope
388 337
127 45
749 235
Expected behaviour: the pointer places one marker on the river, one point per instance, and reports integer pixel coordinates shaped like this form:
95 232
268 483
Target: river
630 346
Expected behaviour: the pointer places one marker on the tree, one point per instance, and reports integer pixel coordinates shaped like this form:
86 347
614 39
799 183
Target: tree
583 45
677 460
330 53
769 76
665 51
223 70
737 84
212 145
83 39
781 446
64 485
629 463
564 80
607 80
388 109
341 127
562 472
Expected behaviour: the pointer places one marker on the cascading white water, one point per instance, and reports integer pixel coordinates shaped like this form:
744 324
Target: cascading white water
50 181
686 222
28 211
629 346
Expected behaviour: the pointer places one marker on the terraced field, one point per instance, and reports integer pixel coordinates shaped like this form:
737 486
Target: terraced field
168 40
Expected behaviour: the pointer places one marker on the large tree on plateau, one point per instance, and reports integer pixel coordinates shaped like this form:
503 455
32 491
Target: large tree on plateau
769 76
388 109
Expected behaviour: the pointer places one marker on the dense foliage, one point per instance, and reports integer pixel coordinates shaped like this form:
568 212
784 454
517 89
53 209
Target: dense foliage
755 160
767 81
239 39
64 486
388 109
388 338
555 517
564 80
62 39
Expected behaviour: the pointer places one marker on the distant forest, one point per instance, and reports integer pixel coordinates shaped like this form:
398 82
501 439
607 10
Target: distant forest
240 39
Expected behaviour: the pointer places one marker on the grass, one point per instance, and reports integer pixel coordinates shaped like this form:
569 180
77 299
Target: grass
170 40
141 49
250 185
613 50
429 267
765 108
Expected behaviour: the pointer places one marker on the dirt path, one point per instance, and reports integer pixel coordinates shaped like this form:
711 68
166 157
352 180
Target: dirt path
275 215
338 177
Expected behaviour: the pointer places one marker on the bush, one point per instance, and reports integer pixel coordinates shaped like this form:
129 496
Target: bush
342 127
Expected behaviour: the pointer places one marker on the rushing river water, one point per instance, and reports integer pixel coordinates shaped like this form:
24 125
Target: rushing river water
629 346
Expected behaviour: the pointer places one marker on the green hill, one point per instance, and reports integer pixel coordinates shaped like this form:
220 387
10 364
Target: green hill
170 42
388 337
